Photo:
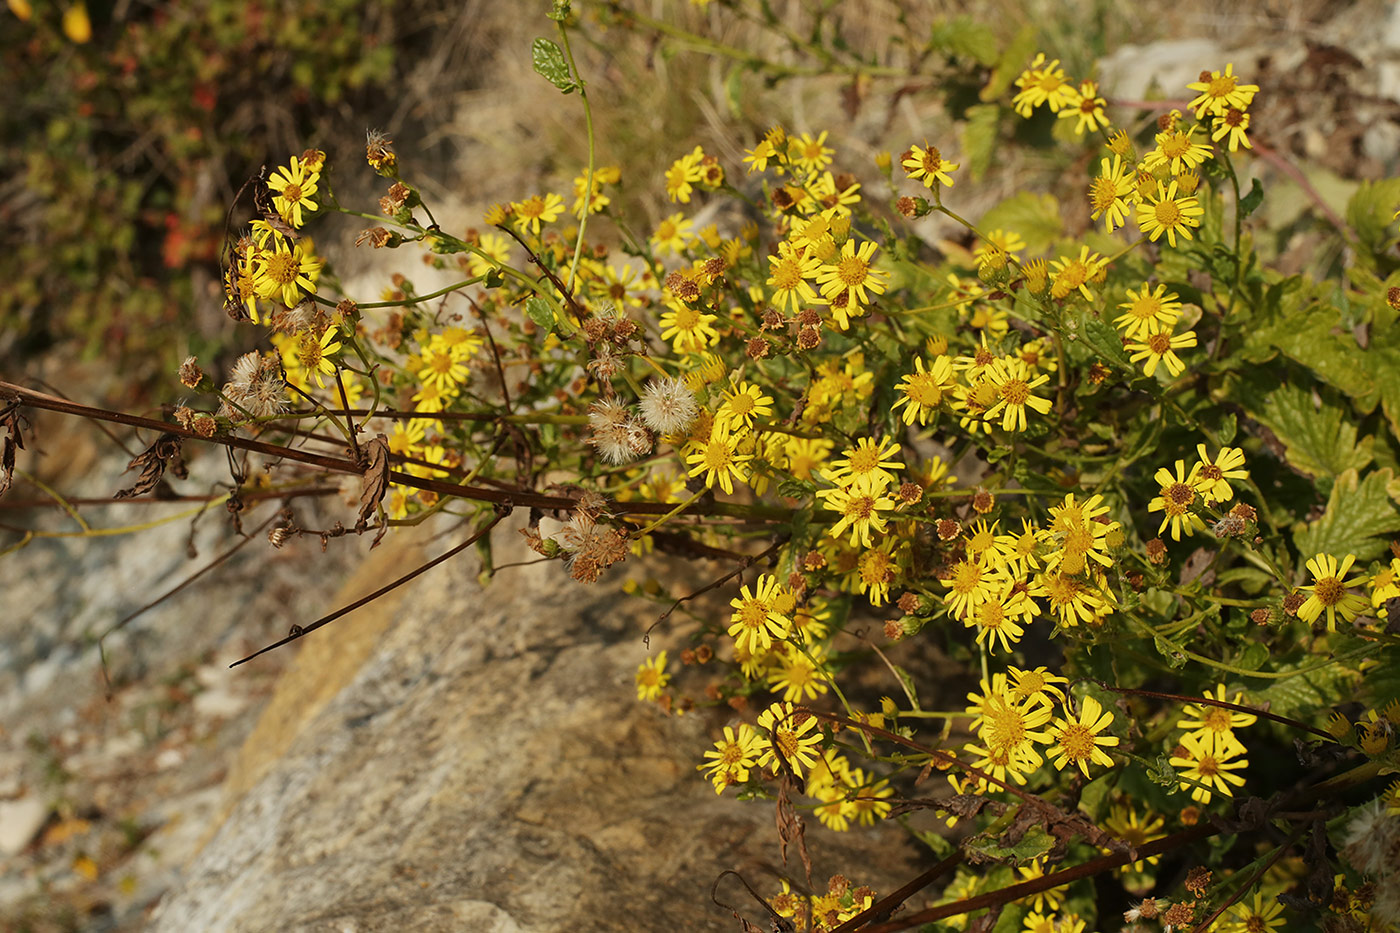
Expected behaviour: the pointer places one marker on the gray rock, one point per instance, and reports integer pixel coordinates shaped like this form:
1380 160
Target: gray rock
489 768
20 820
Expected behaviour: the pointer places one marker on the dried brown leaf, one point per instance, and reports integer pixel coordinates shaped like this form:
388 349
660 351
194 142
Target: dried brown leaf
163 454
374 482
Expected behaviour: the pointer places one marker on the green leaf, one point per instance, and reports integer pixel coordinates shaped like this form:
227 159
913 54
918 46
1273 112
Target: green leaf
1369 213
550 64
1320 440
1251 201
1359 512
1093 799
1103 338
1035 216
1035 843
966 38
979 138
540 312
1300 696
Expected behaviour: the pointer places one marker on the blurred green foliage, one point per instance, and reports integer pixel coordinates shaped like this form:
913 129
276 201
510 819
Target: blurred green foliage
121 154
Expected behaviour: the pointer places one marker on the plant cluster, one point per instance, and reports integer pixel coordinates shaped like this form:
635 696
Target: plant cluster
1139 485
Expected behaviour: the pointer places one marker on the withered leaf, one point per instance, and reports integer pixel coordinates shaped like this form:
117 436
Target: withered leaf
12 442
163 454
374 482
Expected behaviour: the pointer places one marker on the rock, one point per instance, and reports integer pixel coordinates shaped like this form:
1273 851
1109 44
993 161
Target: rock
1133 71
20 821
490 768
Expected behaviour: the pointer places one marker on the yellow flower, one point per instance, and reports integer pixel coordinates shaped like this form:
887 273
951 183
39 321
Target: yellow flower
286 272
1147 312
1214 474
292 188
1177 150
652 677
1329 591
788 735
1041 84
866 467
1176 500
1076 273
536 210
742 404
922 391
927 165
1210 767
756 620
789 270
690 330
809 154
733 756
851 275
1234 124
1077 739
859 511
1014 384
1219 92
1085 106
1215 726
1164 212
673 234
1110 192
718 461
314 355
1160 348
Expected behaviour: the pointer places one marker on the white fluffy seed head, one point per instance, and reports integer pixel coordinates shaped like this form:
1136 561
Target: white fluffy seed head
668 407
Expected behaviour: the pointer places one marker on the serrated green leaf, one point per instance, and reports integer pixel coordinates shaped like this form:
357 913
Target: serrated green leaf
1299 696
1035 843
1251 201
1252 657
1359 513
1226 433
1370 212
1320 440
540 312
964 37
550 64
1103 338
1035 216
979 138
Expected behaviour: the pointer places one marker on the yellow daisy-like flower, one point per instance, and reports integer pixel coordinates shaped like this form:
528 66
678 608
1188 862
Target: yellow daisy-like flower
1014 384
756 621
1214 474
292 188
809 154
1161 347
286 272
926 164
1215 725
1166 213
652 677
1385 585
859 511
1110 192
922 391
851 275
733 756
315 355
719 462
682 175
867 467
1177 499
744 402
1210 767
673 234
690 330
1220 91
1086 107
1148 312
1259 916
757 157
1041 84
1076 273
1233 124
1329 591
789 271
1177 150
793 736
1077 739
536 210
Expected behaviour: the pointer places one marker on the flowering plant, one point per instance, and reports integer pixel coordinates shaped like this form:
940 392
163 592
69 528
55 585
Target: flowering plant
1135 482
